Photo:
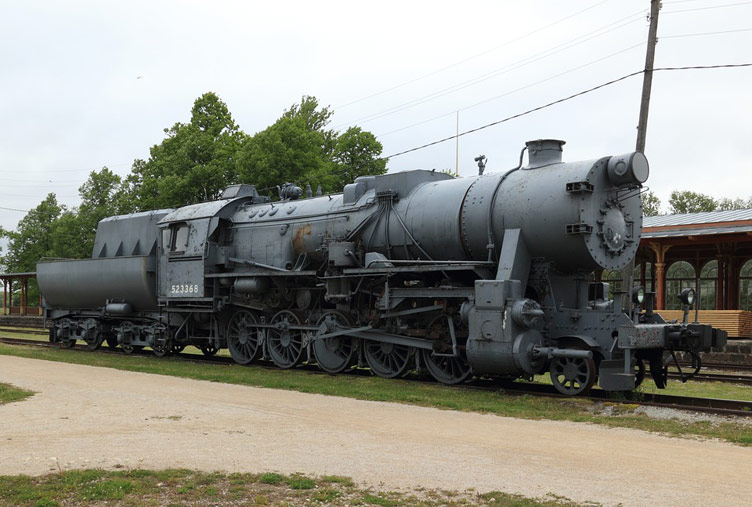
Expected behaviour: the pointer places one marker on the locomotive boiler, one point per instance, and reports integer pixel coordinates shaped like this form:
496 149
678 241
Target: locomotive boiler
483 276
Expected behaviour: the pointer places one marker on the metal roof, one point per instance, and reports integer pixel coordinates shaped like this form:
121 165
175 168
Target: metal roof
706 217
700 231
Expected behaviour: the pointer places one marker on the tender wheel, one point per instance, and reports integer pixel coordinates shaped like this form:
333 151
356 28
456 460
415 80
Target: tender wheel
285 344
95 342
242 338
445 369
130 349
572 376
638 366
334 354
112 342
209 350
68 343
176 348
162 350
387 359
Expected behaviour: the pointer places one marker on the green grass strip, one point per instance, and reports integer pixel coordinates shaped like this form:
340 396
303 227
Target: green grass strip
185 487
10 393
403 391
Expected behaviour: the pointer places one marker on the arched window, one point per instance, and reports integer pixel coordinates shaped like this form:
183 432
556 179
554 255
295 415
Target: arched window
680 275
708 284
613 278
637 276
745 286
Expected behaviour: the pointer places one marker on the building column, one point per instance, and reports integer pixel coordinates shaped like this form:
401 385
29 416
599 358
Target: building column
23 296
732 302
660 277
719 283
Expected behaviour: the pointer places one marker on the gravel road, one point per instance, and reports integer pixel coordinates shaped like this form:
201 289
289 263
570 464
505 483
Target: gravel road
85 417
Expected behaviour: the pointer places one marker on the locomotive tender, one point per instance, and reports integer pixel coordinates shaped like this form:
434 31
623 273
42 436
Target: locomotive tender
488 275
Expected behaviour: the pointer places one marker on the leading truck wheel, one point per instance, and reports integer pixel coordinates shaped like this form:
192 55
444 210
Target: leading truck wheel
572 376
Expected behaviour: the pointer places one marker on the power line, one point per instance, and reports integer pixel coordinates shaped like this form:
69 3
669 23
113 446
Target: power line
708 8
478 55
515 90
559 101
704 33
14 209
497 72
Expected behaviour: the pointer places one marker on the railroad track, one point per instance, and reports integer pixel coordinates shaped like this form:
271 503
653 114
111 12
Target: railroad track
705 405
24 330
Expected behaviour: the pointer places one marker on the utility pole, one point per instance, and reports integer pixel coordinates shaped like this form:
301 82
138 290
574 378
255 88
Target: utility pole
627 275
457 148
647 77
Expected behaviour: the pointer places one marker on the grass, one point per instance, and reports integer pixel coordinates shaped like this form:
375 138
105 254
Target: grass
9 393
422 394
185 487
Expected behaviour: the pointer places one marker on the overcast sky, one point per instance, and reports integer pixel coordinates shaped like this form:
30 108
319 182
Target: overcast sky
91 84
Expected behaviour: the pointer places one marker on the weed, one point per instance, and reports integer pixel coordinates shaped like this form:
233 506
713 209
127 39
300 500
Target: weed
271 478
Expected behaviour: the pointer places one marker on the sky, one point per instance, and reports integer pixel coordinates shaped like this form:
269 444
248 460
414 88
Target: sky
85 85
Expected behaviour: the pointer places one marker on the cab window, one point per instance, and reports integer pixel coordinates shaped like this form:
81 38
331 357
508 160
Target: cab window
180 235
165 240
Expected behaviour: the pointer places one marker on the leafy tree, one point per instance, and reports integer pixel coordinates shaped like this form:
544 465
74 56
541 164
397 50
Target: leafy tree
299 148
728 204
296 148
686 201
194 163
33 238
73 235
651 204
357 154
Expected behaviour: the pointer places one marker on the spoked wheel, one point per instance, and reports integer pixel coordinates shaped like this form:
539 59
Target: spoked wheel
388 360
446 369
638 367
334 354
242 338
572 376
285 344
209 350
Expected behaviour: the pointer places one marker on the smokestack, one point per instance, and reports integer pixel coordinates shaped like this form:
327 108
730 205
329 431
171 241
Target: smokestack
543 152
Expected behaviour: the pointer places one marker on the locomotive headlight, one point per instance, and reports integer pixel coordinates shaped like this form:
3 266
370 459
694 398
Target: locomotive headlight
687 297
638 295
628 169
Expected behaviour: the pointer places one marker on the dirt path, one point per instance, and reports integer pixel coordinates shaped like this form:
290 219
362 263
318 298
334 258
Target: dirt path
84 417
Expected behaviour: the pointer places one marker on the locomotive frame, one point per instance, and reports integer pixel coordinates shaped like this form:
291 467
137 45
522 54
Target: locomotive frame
488 275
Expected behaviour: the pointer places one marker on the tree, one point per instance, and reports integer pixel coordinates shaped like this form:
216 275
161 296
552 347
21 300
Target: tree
74 232
686 201
299 148
725 204
33 238
357 154
194 163
296 148
651 204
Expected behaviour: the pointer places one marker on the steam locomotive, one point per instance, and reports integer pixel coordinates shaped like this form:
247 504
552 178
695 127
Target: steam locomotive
481 276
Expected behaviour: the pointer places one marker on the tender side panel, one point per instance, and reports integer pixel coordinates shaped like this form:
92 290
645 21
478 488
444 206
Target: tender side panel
89 283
